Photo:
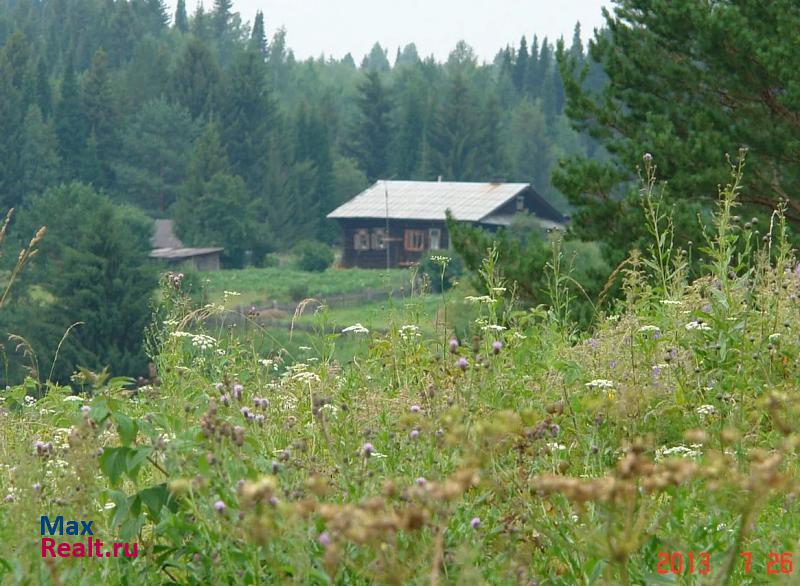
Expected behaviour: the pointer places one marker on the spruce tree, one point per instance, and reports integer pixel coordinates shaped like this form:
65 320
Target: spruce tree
181 19
100 113
39 160
71 127
520 72
258 37
196 79
372 134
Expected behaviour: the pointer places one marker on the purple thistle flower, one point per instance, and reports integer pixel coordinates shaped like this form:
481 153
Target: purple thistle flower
415 409
225 399
656 335
593 343
648 158
414 434
497 345
260 419
656 371
367 449
237 391
420 481
475 522
324 539
462 363
453 345
219 506
219 387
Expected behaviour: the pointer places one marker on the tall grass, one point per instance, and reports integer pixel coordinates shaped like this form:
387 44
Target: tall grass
528 453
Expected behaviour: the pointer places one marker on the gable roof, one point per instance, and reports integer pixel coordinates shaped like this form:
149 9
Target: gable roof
429 200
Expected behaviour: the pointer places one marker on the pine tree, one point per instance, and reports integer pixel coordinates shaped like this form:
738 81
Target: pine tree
377 59
372 134
687 82
221 16
258 37
13 72
181 19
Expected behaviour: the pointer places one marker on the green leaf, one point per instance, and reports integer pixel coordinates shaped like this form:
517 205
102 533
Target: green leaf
114 463
100 411
136 459
155 499
126 427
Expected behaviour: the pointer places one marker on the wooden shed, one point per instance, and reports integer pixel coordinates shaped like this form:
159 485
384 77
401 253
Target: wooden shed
168 248
394 223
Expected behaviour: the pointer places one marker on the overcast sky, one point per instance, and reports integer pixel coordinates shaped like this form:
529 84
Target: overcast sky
336 27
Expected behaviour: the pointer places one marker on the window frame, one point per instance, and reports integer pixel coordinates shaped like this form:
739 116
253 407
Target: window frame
361 239
410 237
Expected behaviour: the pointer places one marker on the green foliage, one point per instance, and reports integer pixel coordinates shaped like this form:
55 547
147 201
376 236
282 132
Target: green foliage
92 271
313 256
671 428
441 269
687 82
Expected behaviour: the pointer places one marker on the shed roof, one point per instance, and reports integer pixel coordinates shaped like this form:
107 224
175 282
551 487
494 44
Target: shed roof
429 200
178 253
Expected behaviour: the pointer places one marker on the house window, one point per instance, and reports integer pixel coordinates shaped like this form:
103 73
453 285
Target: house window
379 239
414 240
361 240
435 238
520 203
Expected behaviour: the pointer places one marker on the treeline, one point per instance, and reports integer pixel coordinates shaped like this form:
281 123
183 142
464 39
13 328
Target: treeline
200 117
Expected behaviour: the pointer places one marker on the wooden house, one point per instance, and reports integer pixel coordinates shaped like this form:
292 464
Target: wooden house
168 248
394 223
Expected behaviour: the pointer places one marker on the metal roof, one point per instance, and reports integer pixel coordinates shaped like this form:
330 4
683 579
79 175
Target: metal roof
176 253
429 200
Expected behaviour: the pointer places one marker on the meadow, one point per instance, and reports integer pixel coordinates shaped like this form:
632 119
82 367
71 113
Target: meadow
660 447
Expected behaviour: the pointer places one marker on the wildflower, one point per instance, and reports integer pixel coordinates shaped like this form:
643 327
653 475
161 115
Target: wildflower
481 299
462 363
420 481
86 410
553 447
324 539
671 302
600 383
307 377
304 348
72 398
697 325
494 328
593 343
261 403
409 332
648 158
367 449
497 345
475 522
414 434
260 419
774 337
649 328
225 399
355 329
237 391
203 342
37 487
453 345
656 371
706 410
415 408
246 412
219 506
219 387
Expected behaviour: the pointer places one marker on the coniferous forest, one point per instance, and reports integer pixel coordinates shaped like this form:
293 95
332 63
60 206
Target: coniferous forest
203 119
